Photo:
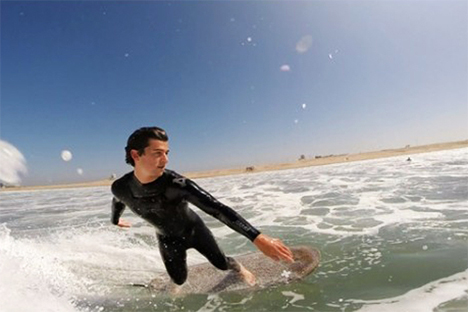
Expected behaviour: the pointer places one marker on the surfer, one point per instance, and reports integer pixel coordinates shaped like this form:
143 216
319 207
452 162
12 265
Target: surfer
161 197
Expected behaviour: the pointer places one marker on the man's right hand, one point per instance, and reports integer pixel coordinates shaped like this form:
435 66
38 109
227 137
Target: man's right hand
124 224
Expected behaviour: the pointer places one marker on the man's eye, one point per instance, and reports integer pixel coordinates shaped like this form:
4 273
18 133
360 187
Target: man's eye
159 154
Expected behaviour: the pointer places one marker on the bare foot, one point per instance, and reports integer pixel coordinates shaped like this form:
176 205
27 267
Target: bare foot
175 289
247 276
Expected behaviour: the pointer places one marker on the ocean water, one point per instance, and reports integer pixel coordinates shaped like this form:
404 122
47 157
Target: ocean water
393 236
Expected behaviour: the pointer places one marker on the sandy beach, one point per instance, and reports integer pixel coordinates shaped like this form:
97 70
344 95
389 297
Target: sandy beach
307 162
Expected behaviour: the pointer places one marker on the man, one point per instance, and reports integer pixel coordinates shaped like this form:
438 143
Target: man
161 197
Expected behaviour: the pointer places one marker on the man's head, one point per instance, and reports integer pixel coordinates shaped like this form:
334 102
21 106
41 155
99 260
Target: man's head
140 139
147 150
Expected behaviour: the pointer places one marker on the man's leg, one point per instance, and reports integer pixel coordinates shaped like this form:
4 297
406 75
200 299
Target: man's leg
174 255
205 243
235 265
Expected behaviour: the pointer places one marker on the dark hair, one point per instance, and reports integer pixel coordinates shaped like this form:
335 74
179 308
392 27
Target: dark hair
139 140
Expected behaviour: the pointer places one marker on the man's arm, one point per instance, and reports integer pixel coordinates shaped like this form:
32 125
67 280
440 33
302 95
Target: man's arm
206 202
117 209
273 248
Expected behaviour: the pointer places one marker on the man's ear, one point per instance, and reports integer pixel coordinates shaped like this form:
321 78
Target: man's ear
134 154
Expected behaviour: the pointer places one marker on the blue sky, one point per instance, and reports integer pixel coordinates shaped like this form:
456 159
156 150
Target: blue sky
83 75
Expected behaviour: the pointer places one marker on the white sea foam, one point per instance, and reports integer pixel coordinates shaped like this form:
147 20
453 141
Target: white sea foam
344 199
48 272
31 281
295 297
422 299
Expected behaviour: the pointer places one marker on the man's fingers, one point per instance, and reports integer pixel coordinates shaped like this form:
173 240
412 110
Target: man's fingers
283 256
287 256
273 248
283 252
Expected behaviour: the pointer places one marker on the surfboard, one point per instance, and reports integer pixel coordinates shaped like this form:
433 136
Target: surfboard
204 278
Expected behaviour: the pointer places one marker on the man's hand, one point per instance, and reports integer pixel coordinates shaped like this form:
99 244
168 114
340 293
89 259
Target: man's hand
273 248
124 224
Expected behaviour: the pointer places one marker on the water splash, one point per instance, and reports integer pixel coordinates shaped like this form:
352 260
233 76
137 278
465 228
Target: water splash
66 155
285 68
13 164
304 44
30 281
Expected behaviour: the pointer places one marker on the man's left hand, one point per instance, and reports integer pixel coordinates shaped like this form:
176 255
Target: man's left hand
273 248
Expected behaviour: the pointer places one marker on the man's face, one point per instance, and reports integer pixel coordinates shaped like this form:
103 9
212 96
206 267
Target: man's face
154 159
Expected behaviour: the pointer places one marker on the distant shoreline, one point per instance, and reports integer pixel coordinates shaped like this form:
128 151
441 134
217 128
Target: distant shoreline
318 161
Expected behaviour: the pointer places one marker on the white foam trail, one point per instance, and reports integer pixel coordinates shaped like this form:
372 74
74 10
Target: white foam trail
13 164
295 297
30 281
425 298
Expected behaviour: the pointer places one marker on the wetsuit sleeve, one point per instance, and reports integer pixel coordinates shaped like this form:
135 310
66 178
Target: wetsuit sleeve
117 209
207 203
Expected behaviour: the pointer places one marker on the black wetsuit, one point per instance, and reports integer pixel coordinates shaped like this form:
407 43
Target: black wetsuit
164 204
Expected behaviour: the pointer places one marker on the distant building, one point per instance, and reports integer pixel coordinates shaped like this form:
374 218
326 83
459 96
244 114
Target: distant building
6 185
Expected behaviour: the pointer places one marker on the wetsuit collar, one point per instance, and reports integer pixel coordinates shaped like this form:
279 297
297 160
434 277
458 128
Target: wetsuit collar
140 190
